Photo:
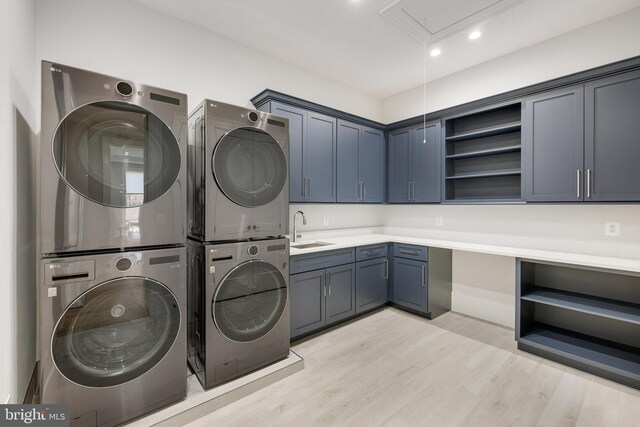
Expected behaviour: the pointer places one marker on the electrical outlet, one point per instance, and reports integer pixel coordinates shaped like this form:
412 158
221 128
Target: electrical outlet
439 221
325 220
612 229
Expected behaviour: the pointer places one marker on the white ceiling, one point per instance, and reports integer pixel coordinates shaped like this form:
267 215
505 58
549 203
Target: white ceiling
351 42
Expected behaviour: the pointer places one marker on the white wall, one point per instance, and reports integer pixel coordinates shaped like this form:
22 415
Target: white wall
125 39
17 221
484 285
338 216
603 42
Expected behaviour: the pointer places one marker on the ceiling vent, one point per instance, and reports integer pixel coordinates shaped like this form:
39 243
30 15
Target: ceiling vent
431 20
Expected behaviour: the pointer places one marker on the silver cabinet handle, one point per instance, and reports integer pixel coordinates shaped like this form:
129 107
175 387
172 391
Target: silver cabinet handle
308 188
364 191
424 267
408 252
409 191
304 188
578 183
359 197
325 291
413 191
328 279
386 268
588 183
329 290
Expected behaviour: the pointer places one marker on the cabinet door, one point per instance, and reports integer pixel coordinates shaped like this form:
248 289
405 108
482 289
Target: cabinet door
297 124
410 283
319 162
307 302
399 166
372 165
553 146
371 283
612 142
426 161
341 293
349 188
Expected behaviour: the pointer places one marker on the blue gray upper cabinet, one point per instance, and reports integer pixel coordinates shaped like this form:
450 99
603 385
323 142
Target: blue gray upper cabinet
319 158
415 164
360 163
581 143
612 138
553 146
312 154
297 131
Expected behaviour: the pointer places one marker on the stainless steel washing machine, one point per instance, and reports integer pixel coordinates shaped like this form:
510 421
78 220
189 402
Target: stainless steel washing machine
112 334
238 173
238 308
113 163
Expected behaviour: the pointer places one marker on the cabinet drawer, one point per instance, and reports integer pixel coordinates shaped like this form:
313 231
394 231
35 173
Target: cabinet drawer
410 251
371 252
315 261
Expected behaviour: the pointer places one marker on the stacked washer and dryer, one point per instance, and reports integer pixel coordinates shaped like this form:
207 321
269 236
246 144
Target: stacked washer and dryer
113 289
238 211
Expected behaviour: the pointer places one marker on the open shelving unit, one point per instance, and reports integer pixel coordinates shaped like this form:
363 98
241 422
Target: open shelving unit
483 156
583 317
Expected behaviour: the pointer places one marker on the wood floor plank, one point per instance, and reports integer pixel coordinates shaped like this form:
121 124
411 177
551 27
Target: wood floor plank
392 368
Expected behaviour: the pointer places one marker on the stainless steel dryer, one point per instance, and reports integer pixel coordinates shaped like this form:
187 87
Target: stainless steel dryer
113 163
112 340
238 173
238 308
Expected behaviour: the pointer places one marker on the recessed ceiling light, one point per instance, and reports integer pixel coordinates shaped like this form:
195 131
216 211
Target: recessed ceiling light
475 35
435 52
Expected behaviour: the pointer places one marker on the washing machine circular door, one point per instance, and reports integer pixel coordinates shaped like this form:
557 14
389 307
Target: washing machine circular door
116 154
115 332
249 301
249 167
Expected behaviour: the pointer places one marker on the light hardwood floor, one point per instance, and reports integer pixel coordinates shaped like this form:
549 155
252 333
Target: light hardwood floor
391 368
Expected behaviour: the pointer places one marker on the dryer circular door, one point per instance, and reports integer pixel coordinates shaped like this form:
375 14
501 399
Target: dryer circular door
249 301
116 154
115 332
249 166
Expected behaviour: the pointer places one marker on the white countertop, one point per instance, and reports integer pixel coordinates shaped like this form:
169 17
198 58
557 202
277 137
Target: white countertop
574 252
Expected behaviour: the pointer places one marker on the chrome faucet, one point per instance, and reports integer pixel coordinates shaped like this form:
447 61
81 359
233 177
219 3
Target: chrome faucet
297 235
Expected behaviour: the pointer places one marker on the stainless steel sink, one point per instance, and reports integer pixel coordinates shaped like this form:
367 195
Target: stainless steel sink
310 245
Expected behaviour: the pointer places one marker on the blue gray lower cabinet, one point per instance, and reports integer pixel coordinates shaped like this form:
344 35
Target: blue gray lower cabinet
410 284
372 284
307 303
331 286
587 318
324 295
321 297
341 293
421 279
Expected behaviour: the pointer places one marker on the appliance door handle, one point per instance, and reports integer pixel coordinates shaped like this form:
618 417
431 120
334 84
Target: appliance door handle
424 267
386 269
588 183
578 183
